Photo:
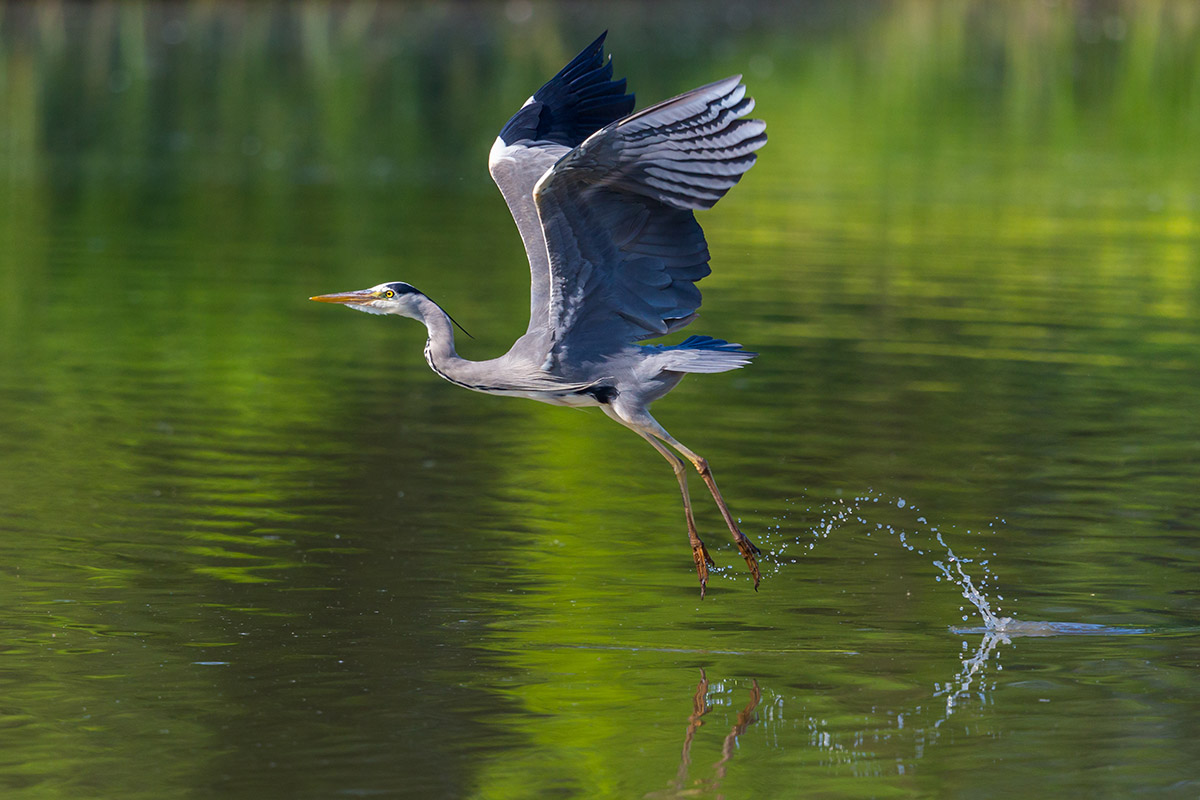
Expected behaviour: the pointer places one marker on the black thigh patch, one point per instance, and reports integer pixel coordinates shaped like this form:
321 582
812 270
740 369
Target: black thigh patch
603 394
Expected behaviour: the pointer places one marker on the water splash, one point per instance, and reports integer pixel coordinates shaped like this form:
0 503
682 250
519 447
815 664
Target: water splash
966 586
841 513
996 628
1007 628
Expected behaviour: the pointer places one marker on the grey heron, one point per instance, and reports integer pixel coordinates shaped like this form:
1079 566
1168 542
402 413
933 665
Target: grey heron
604 201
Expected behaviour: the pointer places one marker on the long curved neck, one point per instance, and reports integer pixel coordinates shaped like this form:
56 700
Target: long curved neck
439 349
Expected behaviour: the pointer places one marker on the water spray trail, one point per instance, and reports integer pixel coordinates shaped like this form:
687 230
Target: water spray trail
967 587
840 513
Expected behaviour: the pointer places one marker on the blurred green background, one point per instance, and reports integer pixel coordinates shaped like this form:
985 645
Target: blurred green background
250 545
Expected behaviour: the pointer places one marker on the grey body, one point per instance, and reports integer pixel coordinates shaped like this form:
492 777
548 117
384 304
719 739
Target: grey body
632 375
604 202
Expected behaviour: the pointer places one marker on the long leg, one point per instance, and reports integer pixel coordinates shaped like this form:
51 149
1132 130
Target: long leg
745 546
700 707
647 426
699 551
745 719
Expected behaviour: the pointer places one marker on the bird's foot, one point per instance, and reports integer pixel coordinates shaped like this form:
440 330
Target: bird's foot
703 562
749 551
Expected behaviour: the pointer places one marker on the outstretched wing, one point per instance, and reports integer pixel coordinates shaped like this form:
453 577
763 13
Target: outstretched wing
574 104
625 248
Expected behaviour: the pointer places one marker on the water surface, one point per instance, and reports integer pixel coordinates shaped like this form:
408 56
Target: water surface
251 546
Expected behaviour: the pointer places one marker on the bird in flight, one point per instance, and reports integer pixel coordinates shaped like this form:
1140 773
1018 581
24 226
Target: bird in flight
604 201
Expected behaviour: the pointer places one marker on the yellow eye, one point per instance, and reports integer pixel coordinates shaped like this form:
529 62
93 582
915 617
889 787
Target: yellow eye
389 293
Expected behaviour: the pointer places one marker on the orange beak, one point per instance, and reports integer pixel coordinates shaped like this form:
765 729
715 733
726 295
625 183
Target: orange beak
363 296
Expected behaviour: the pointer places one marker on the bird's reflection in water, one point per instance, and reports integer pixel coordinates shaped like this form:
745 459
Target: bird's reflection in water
919 725
906 733
700 707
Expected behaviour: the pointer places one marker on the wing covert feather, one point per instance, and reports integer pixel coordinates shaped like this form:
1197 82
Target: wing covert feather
623 244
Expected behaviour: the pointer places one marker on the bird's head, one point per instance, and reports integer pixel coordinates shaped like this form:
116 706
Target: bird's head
397 297
386 298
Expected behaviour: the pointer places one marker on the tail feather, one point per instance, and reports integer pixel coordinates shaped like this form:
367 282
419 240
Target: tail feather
705 354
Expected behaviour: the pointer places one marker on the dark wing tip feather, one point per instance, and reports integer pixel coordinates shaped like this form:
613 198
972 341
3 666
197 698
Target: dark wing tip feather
580 100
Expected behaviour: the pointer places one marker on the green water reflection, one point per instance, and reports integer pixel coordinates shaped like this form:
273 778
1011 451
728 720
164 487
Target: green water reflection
250 546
